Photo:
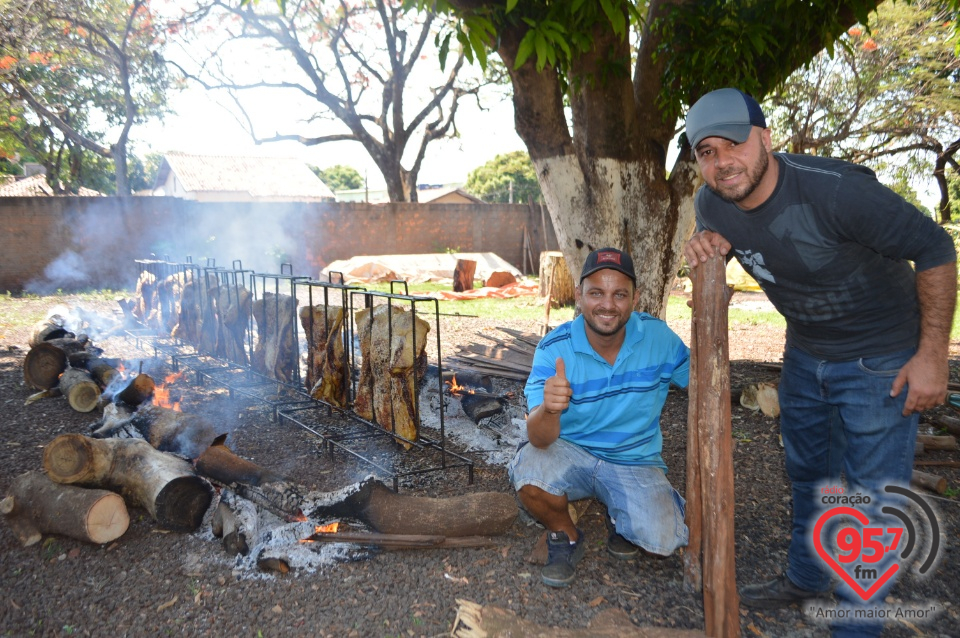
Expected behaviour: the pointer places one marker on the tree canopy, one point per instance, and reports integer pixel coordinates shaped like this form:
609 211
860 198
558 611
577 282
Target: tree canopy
887 96
506 178
370 68
598 86
339 177
77 76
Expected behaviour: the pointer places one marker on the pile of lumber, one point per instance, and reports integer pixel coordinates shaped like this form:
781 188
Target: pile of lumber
510 357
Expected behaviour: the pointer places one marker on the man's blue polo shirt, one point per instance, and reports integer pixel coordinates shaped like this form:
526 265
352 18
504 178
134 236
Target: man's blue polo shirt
615 409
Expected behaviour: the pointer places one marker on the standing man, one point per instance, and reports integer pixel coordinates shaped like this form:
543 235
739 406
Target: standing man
595 394
867 334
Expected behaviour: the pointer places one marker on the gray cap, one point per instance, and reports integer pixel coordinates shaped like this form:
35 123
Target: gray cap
726 113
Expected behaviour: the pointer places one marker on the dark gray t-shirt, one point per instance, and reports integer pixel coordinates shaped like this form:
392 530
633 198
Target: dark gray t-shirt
830 248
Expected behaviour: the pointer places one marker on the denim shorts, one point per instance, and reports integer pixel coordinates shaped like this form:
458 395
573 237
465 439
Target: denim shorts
647 510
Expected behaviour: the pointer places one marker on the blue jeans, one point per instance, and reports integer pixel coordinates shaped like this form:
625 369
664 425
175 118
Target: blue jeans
647 510
838 416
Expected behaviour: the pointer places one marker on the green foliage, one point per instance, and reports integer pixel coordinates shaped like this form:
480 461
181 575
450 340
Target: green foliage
886 96
491 182
77 76
339 177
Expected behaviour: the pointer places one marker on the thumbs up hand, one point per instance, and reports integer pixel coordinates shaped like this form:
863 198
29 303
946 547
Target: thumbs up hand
556 390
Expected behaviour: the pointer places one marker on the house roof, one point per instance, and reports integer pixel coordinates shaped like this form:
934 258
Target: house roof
433 194
259 177
33 186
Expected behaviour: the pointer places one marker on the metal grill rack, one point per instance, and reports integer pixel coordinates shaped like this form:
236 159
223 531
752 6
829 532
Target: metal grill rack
222 292
371 443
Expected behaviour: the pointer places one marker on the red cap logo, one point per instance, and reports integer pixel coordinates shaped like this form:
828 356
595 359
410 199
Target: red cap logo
608 257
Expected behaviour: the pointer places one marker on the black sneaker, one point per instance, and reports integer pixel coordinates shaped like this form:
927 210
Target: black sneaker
617 545
562 559
779 592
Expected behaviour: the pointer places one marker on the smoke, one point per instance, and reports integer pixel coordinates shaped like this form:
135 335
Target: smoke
104 238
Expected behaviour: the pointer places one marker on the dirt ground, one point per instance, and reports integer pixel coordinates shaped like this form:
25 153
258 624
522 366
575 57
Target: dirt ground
156 583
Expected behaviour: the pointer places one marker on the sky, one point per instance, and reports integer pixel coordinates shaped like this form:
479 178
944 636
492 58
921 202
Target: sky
201 125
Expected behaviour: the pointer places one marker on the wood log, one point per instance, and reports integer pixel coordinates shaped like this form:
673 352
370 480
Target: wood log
103 371
139 390
477 514
163 484
35 505
927 481
50 328
401 541
187 435
236 522
715 448
219 463
476 621
81 390
499 279
930 463
43 366
948 423
463 274
555 279
692 557
931 442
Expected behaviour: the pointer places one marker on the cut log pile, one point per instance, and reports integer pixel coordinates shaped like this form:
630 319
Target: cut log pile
394 361
60 363
169 463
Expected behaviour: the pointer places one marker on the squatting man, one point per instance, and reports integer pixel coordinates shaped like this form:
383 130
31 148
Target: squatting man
595 394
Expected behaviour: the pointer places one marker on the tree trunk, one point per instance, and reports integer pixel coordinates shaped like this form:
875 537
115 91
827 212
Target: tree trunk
477 514
463 274
163 484
35 505
556 284
81 390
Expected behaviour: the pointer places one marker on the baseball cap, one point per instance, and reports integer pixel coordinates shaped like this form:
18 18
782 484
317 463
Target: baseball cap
726 113
611 258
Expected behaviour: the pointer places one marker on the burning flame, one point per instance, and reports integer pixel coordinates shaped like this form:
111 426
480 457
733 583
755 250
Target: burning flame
331 528
161 393
327 529
455 388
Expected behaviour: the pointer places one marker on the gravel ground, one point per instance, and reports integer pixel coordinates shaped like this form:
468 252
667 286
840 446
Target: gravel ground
155 583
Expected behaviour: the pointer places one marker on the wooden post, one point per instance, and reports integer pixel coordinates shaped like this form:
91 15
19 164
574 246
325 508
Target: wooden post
714 448
463 275
692 565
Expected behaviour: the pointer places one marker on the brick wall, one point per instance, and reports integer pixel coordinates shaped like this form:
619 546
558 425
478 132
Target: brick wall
70 243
